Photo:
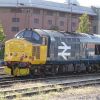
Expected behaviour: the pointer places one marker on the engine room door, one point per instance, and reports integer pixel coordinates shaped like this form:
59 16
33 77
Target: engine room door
46 41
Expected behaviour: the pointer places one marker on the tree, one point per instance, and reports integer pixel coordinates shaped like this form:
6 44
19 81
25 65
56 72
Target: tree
2 35
54 28
84 25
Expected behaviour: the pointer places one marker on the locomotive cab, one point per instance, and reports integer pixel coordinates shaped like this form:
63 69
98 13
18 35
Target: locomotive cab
26 49
30 35
39 44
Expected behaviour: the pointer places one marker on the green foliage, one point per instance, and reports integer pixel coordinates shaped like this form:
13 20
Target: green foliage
2 36
2 53
84 25
54 28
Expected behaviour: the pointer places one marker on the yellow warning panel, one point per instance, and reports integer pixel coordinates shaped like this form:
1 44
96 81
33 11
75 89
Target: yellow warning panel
7 70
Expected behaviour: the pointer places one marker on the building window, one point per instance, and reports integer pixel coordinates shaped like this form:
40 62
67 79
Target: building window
61 23
50 22
50 13
36 11
15 19
15 29
36 20
62 14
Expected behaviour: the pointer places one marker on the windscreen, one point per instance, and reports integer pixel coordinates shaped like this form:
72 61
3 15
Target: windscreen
30 35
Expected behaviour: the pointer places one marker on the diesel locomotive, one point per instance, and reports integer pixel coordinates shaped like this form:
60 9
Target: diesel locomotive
43 52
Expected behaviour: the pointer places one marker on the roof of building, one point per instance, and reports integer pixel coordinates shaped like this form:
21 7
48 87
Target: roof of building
47 5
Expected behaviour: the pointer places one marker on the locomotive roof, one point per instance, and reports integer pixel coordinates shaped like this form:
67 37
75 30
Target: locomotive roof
83 37
53 35
94 38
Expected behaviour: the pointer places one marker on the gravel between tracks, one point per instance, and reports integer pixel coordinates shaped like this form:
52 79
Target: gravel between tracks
71 94
47 82
83 93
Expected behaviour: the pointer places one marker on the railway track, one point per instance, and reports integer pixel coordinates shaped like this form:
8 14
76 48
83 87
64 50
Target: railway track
9 81
1 70
52 84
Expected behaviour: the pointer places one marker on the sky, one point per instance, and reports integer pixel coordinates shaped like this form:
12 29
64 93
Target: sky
83 2
87 3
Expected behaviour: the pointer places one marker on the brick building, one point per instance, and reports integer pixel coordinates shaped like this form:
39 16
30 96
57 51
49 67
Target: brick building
17 14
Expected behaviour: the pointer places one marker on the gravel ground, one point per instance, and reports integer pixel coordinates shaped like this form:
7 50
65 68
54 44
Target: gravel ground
46 82
83 93
78 97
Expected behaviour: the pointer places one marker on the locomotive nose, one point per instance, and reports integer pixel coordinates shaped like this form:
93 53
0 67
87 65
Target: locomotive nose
16 48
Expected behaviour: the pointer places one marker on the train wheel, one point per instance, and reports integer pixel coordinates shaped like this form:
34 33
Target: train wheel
53 71
95 68
89 68
60 70
75 68
42 71
78 68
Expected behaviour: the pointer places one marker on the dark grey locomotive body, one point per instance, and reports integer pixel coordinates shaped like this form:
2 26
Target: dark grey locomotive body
66 47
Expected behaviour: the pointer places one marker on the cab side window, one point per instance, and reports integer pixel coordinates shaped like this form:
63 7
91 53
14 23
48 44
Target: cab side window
35 36
28 34
20 35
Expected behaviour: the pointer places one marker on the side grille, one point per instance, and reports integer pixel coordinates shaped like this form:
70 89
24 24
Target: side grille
36 52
